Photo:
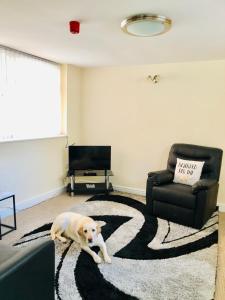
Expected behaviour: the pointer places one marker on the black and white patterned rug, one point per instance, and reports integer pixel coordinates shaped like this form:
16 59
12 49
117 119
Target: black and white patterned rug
151 258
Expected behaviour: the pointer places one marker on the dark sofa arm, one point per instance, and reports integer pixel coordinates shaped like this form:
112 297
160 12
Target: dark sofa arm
203 184
29 273
161 177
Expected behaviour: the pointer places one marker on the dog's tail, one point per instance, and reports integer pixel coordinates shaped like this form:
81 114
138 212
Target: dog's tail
53 232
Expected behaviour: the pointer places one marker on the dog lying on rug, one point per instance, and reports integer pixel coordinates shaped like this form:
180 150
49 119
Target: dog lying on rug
83 230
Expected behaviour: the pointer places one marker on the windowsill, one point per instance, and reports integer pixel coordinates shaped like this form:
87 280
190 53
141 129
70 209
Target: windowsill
33 139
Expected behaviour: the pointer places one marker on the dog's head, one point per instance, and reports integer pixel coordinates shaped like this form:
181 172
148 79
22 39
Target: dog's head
89 230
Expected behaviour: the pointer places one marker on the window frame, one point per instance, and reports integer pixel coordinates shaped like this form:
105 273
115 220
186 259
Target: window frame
63 127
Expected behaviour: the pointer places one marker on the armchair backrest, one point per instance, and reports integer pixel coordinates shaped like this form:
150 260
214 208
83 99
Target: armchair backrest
211 156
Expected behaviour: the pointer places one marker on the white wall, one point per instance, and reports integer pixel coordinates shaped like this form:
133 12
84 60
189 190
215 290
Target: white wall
74 104
141 120
32 168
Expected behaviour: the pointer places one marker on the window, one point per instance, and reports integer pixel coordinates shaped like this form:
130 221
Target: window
30 101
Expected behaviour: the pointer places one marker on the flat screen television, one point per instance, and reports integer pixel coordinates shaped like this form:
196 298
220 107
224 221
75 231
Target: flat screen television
89 158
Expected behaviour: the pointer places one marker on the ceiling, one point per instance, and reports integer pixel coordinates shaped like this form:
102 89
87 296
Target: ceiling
41 28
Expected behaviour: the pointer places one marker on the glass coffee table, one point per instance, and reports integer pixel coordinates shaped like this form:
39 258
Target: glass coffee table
3 210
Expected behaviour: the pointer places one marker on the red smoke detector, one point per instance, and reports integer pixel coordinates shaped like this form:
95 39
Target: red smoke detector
74 27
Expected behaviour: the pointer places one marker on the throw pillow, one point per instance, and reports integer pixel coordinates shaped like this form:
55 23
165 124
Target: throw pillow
188 171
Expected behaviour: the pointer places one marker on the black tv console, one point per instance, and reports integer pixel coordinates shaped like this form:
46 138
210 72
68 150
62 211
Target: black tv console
79 188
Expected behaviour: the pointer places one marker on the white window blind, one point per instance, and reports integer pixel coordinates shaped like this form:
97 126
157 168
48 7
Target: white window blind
30 102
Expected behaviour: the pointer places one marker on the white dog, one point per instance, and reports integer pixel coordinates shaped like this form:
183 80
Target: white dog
83 230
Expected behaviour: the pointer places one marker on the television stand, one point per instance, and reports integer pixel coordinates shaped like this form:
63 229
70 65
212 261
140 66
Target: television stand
90 173
89 187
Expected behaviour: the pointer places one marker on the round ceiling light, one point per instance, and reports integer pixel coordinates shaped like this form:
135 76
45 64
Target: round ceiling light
146 25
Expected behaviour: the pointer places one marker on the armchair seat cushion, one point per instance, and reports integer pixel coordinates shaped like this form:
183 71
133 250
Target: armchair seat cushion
176 194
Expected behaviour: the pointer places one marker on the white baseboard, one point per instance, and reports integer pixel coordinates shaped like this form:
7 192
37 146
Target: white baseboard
130 190
34 201
221 207
120 188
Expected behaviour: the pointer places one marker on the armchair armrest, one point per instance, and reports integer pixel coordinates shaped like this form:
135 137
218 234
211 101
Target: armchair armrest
29 272
203 184
161 177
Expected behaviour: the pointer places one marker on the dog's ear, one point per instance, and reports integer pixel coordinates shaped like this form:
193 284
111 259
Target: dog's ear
80 230
99 225
99 229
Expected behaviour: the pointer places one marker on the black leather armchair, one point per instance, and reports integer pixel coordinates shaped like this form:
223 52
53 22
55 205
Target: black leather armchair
188 205
28 273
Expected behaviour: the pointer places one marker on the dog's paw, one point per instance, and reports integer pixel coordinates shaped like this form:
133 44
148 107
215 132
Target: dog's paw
63 240
107 259
97 259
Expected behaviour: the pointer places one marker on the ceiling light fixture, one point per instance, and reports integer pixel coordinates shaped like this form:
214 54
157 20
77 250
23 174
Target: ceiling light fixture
145 25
